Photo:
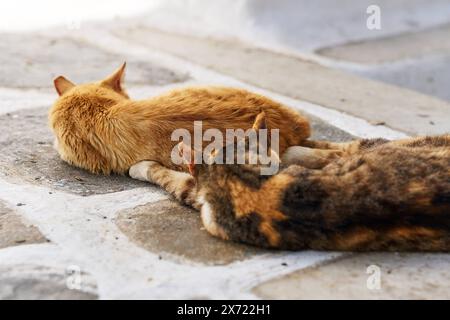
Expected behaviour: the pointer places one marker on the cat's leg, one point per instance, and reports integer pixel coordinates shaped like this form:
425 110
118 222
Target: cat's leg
347 148
309 157
317 154
179 184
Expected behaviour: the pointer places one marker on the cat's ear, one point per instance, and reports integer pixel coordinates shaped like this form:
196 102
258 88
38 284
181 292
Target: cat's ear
260 121
115 81
62 85
187 154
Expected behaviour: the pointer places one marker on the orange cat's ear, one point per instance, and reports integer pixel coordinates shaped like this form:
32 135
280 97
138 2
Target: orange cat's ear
185 151
115 80
62 85
260 121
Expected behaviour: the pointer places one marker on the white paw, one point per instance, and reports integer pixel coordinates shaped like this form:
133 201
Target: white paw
140 170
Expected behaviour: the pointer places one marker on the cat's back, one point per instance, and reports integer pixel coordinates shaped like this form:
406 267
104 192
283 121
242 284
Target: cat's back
226 107
414 177
405 160
216 99
412 174
409 158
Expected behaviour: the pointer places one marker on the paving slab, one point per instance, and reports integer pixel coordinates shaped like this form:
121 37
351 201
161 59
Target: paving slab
394 47
34 282
14 231
428 74
28 156
399 60
376 102
401 276
176 232
33 61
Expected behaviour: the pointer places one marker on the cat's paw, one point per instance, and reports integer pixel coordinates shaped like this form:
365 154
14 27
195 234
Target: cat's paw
309 157
140 170
334 154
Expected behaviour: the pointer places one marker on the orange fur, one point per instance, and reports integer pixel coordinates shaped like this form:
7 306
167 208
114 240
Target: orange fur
100 129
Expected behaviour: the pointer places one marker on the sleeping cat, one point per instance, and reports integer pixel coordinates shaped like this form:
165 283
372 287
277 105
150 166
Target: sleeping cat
379 195
99 128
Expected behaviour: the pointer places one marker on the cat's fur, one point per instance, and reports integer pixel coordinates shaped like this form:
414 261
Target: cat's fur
99 128
380 195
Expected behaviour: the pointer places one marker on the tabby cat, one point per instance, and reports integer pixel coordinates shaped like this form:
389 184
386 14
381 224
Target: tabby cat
379 195
99 128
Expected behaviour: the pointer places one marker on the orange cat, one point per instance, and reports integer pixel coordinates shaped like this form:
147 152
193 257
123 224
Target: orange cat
99 128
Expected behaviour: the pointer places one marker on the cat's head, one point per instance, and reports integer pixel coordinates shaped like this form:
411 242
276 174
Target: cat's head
78 109
252 159
111 85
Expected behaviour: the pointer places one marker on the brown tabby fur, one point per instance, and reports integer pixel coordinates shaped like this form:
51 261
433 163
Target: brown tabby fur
99 128
380 195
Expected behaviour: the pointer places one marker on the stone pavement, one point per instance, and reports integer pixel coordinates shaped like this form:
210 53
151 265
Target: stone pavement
67 234
410 49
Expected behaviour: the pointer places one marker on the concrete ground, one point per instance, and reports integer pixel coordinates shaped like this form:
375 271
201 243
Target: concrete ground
67 234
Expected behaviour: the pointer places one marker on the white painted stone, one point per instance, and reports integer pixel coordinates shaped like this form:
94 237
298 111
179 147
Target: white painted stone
42 271
17 99
120 268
